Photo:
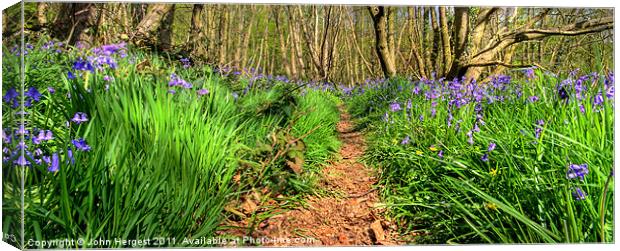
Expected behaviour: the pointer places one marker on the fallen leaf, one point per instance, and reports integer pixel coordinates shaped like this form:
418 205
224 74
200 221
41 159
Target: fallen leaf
377 231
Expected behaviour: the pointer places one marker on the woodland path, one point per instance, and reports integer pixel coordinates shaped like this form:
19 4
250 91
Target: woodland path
348 215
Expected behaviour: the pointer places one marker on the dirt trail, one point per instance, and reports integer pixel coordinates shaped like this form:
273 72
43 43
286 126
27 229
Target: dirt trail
349 217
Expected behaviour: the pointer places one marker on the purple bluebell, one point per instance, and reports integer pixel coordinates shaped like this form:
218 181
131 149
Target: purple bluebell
51 90
70 156
470 136
395 106
610 92
577 171
81 144
6 138
33 93
79 117
54 165
440 154
46 159
579 194
533 99
83 65
202 92
185 62
538 129
476 128
21 161
22 130
405 140
10 95
582 108
22 145
485 157
598 99
491 147
70 75
416 90
529 72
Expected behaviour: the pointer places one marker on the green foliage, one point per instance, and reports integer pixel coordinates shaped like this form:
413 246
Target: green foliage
159 163
521 194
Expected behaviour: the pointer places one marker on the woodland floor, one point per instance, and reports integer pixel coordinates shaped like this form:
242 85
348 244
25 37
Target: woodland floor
348 215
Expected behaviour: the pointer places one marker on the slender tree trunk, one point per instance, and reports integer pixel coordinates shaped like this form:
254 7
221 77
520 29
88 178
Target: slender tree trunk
41 14
381 40
435 52
445 39
196 34
283 45
223 35
165 30
150 24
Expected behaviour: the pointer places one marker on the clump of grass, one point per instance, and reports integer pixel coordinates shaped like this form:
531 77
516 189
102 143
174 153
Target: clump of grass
146 148
491 162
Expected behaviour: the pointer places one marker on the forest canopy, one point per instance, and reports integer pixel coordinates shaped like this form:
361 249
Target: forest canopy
346 44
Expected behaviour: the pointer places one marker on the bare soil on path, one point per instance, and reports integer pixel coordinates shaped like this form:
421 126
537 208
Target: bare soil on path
349 216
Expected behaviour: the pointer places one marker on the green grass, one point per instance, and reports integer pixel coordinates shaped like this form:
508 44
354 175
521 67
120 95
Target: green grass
160 164
521 195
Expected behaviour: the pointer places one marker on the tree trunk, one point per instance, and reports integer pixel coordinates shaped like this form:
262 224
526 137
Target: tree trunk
148 26
223 35
165 30
381 41
461 29
194 40
42 14
445 39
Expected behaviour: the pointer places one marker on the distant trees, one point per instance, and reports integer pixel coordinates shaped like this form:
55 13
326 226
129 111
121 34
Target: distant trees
341 43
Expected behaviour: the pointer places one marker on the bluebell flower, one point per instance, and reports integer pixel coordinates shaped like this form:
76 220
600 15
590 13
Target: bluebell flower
6 138
202 92
81 145
21 161
70 156
405 140
70 75
46 159
79 117
470 137
491 147
54 165
33 93
394 107
22 130
10 95
579 194
577 171
485 157
598 99
440 154
533 99
51 90
83 65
